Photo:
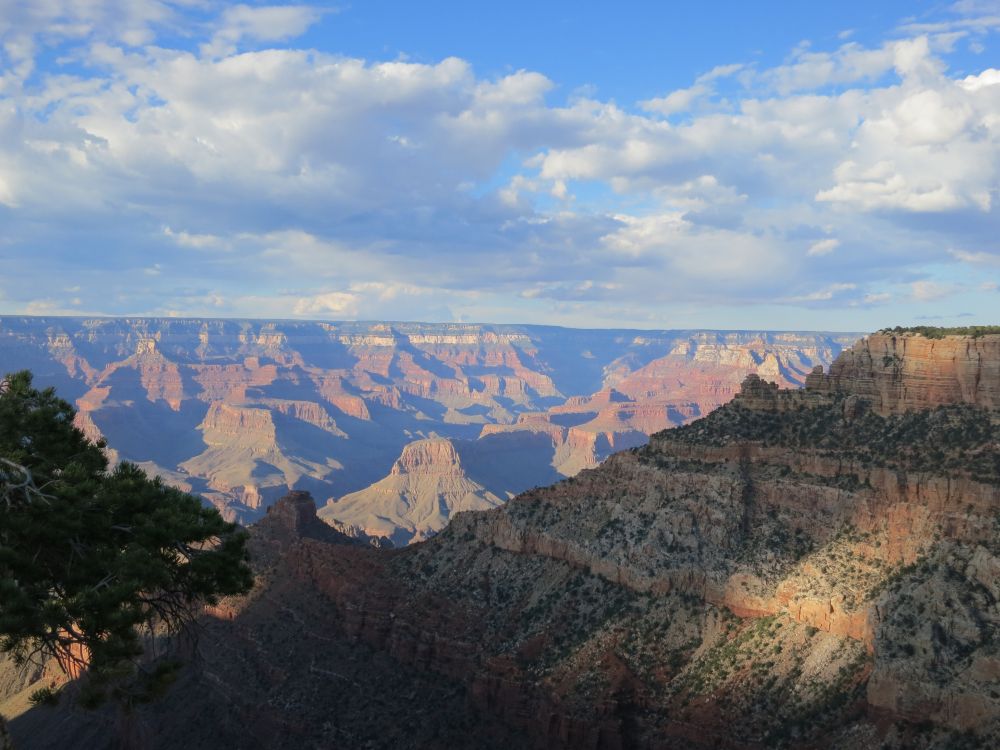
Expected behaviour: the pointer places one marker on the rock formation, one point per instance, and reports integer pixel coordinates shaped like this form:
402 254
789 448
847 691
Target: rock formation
240 412
425 487
906 372
800 568
293 517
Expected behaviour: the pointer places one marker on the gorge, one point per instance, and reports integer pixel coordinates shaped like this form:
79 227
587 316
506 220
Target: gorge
799 568
241 412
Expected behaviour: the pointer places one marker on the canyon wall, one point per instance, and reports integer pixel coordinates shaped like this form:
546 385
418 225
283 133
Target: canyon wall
800 568
240 412
900 372
839 544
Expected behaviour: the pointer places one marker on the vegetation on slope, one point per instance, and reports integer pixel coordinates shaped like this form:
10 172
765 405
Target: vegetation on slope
945 440
935 332
92 559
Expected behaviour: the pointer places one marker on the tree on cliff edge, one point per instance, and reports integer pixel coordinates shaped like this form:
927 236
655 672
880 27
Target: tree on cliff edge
92 560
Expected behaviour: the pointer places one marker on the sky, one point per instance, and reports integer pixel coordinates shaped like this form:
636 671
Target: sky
823 166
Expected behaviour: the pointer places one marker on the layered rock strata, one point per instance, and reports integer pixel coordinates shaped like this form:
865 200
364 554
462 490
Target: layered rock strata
425 487
798 569
906 372
240 412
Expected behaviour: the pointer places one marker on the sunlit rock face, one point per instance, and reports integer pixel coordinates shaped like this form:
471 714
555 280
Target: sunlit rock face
907 372
241 412
427 484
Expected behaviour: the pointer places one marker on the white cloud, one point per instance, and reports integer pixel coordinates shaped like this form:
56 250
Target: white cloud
823 247
977 258
989 77
342 304
682 100
850 63
376 300
970 16
825 294
26 25
701 194
674 250
923 146
928 291
358 187
383 291
50 306
877 298
7 197
270 23
187 239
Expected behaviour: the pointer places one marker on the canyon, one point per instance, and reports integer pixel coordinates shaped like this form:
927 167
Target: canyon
800 568
241 412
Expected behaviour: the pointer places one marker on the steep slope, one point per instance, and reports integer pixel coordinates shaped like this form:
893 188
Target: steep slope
273 670
252 454
798 568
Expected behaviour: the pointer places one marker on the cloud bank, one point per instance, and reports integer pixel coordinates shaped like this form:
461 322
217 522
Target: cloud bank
180 158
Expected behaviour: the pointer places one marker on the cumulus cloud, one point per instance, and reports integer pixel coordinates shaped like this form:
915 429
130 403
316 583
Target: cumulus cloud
683 100
341 304
823 247
271 23
976 258
808 69
243 175
928 291
26 27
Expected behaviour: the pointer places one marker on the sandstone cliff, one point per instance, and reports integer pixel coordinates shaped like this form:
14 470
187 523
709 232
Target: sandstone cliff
906 372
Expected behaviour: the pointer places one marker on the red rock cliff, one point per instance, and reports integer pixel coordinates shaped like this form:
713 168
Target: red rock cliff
906 372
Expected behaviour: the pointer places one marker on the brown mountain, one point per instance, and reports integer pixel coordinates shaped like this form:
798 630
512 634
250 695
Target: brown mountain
809 568
241 412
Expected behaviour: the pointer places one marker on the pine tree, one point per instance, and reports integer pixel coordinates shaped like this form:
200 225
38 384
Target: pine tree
94 561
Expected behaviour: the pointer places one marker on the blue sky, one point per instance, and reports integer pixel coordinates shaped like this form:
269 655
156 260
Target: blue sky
729 164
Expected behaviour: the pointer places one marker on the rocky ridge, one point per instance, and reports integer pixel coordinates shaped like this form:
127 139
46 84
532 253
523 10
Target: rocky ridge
800 568
240 412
